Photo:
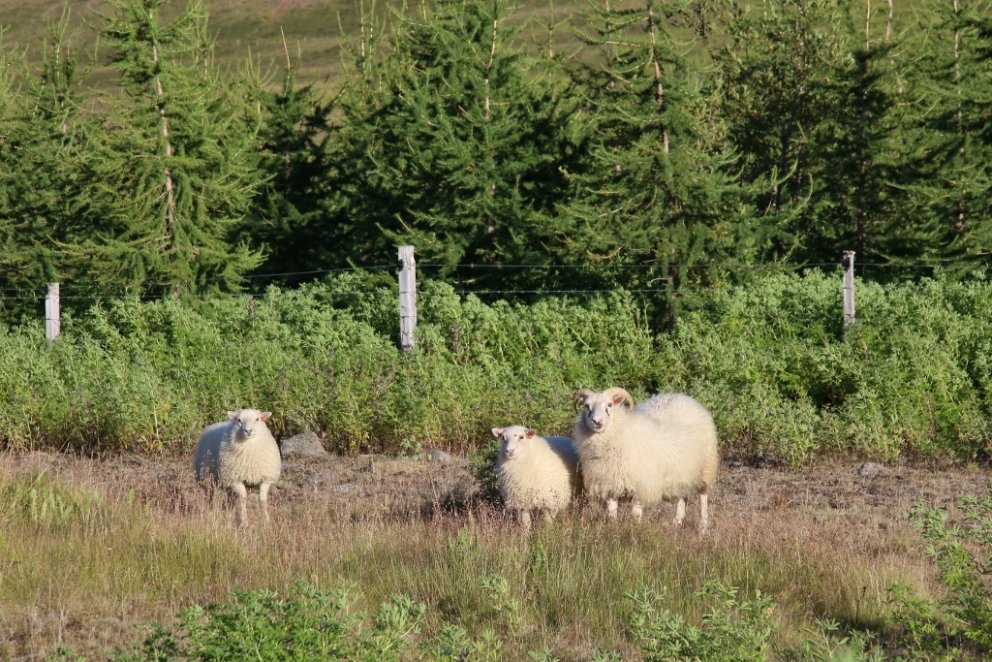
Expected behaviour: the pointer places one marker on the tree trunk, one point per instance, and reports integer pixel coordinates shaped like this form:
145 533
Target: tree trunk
170 195
659 85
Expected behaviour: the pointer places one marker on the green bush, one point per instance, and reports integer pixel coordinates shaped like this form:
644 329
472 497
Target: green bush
309 625
957 625
913 377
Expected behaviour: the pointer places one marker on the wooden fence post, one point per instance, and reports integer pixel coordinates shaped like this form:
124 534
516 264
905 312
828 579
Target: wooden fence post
408 297
53 322
848 262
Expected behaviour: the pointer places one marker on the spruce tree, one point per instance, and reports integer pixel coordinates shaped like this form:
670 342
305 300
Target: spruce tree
656 205
951 137
292 202
453 143
41 138
856 168
171 174
770 64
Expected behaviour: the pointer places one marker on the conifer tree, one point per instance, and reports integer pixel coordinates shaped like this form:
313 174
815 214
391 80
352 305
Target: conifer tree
952 133
172 172
855 164
293 199
41 138
450 144
656 206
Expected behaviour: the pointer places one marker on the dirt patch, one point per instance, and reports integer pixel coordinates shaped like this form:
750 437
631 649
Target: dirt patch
283 6
369 486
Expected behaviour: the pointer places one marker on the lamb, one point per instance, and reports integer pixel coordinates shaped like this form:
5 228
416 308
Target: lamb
661 450
534 472
239 453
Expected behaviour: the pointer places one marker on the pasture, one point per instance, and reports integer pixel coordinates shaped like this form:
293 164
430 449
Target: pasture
94 550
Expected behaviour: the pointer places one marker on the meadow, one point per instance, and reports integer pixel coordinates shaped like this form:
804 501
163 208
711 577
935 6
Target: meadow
373 557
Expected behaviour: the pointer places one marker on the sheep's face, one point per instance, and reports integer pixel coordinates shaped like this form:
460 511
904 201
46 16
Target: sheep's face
247 422
597 410
513 441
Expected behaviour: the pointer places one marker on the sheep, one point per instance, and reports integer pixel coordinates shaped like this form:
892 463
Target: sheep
661 450
534 472
239 453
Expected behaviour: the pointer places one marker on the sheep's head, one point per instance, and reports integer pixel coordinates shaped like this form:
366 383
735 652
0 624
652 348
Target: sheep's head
247 422
596 410
512 440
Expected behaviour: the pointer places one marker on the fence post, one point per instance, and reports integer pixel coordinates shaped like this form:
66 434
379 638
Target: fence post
848 262
53 322
408 297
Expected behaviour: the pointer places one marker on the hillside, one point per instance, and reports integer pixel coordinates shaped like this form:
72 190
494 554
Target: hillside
314 29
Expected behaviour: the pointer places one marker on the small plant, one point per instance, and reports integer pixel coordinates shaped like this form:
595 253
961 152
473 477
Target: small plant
959 624
508 609
732 629
826 642
309 624
483 462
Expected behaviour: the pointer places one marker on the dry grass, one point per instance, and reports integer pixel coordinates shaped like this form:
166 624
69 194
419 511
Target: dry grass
126 541
315 31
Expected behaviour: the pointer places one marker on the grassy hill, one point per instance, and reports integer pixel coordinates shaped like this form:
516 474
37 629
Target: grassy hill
314 29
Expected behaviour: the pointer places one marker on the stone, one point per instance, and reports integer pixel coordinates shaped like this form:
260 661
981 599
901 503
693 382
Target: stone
305 444
870 469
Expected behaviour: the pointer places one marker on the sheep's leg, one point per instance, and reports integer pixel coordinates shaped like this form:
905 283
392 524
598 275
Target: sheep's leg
704 511
263 498
241 492
549 514
611 508
524 517
637 510
679 512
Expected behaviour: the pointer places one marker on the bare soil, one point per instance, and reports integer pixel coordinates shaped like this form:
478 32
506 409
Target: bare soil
382 487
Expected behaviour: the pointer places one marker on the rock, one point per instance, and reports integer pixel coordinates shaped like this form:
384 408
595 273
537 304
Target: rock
870 470
306 444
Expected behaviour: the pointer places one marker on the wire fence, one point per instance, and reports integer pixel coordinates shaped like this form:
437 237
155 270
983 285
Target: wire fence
83 292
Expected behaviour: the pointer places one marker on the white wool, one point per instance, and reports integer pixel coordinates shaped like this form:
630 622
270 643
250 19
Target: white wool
534 472
239 453
664 449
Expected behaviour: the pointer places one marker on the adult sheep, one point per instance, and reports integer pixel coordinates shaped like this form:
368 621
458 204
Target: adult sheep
240 453
535 473
664 449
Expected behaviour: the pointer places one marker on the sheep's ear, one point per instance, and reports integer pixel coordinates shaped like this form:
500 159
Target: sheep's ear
529 433
266 415
580 396
619 395
231 415
498 432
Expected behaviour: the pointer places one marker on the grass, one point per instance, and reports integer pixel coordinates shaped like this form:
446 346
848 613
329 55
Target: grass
314 30
85 562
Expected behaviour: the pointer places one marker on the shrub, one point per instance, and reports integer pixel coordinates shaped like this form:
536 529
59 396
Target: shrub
771 360
957 625
308 625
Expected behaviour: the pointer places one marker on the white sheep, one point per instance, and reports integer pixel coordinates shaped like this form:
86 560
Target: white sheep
664 449
240 453
534 472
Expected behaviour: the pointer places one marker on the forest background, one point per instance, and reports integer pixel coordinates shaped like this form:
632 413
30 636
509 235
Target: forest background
670 144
